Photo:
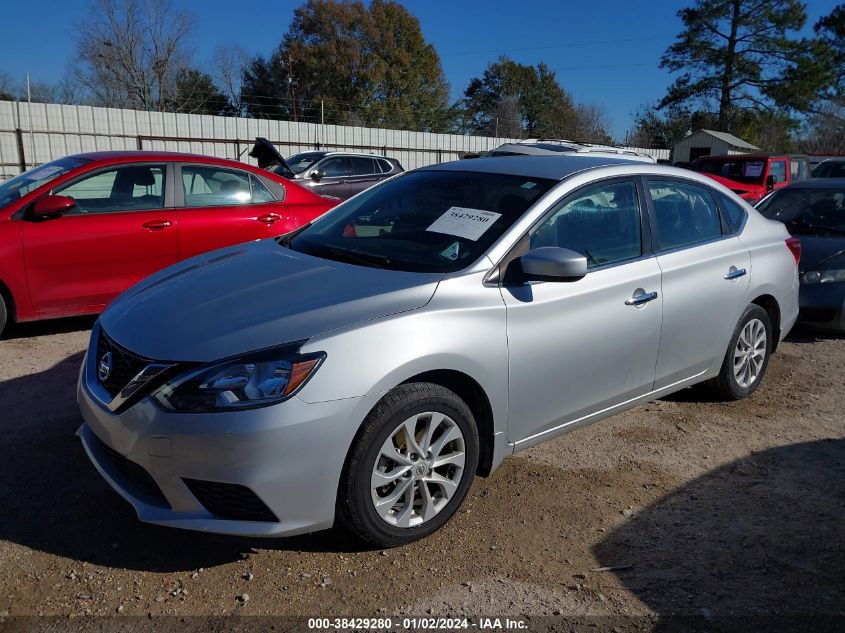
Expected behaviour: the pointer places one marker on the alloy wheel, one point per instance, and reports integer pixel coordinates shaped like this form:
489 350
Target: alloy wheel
750 353
418 469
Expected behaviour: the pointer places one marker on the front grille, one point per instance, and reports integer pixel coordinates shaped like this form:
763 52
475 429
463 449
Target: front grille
134 475
816 315
230 501
125 365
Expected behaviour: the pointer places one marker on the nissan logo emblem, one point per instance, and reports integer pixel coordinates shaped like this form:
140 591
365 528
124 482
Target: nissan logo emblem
104 367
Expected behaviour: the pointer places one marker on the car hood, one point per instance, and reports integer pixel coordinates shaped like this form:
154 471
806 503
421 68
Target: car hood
252 296
268 157
817 249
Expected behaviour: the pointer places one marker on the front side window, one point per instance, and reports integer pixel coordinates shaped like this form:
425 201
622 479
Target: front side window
684 213
335 166
602 223
778 170
126 188
425 221
210 186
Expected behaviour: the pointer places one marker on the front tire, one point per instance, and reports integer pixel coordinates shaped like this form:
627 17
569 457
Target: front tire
4 315
747 358
410 466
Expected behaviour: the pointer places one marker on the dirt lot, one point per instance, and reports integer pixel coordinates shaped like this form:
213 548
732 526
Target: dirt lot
702 509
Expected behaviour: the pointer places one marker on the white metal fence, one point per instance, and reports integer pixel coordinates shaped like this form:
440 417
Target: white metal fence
31 134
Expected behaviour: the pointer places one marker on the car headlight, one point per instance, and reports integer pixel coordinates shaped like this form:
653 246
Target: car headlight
254 380
823 276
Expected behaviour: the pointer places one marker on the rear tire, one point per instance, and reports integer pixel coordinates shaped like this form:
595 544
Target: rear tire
747 356
410 465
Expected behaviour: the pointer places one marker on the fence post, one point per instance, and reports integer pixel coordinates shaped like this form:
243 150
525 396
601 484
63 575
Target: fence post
21 155
439 155
140 142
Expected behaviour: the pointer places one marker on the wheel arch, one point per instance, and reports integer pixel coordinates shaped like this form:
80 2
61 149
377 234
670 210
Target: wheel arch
471 392
772 308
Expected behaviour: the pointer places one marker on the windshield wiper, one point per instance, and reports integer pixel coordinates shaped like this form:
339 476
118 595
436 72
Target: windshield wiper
356 257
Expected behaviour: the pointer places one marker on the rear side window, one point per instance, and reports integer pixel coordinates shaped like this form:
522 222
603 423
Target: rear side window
210 186
260 193
601 222
384 165
362 166
684 213
733 211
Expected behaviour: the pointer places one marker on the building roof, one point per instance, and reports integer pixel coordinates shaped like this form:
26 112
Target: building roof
730 139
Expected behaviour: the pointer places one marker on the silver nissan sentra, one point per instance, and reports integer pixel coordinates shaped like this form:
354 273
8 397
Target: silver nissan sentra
364 368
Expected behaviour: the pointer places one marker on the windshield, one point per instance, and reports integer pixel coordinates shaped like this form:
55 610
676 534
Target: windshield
830 169
17 187
425 221
741 170
819 211
300 162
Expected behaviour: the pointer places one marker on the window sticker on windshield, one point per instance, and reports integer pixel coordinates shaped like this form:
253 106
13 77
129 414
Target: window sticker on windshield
462 222
753 170
529 185
452 251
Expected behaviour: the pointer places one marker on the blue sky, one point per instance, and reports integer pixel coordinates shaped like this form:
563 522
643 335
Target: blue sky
605 52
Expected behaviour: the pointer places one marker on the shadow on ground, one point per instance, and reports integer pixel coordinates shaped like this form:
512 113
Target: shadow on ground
760 537
54 501
49 326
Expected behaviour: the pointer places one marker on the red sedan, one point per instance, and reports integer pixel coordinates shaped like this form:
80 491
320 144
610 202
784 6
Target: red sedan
78 231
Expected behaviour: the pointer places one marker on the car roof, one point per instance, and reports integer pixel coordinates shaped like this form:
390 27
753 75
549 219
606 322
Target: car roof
757 156
354 154
148 154
548 167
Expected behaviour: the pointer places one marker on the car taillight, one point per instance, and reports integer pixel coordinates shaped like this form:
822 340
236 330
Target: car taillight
794 246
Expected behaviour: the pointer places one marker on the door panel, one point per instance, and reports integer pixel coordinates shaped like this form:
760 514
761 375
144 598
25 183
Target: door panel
85 261
700 307
224 206
577 348
705 278
119 232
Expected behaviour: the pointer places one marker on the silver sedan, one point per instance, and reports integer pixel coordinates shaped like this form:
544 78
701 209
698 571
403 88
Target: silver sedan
366 367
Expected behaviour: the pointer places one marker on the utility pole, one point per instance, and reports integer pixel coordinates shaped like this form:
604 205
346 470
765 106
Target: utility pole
29 116
291 92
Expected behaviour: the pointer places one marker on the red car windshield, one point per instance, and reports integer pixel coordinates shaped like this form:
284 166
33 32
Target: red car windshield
22 184
741 170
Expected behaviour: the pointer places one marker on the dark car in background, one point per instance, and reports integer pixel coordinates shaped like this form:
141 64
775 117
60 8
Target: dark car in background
752 176
337 174
830 168
814 212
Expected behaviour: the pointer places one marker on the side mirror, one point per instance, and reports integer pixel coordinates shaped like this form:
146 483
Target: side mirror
552 263
52 206
317 175
771 179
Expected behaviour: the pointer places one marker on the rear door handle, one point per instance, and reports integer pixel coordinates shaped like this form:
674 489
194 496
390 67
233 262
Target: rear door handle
269 218
156 225
735 273
644 297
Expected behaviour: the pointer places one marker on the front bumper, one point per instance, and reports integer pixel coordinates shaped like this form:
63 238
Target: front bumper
289 455
822 306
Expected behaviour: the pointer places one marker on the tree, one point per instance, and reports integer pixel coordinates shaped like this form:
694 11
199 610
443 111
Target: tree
739 55
370 65
7 88
229 63
196 93
514 100
131 53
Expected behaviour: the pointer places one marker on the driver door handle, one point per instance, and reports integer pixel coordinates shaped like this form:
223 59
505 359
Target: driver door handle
156 225
641 298
736 273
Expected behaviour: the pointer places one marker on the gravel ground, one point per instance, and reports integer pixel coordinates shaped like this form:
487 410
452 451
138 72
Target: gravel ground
682 506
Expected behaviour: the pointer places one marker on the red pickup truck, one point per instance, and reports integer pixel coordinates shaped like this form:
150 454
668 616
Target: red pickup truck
752 176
